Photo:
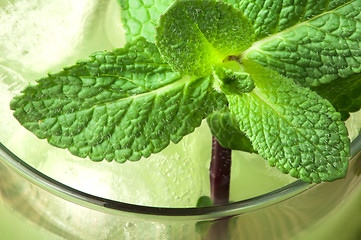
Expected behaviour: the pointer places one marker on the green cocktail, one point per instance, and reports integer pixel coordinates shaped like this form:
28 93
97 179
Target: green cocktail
173 179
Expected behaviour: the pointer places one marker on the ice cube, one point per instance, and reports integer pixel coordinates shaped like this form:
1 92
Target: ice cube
57 29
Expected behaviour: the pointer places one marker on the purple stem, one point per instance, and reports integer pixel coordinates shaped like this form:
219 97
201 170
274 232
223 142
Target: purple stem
219 230
220 176
220 173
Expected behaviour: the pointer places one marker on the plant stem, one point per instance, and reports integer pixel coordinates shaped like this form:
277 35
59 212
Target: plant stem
220 173
219 230
220 176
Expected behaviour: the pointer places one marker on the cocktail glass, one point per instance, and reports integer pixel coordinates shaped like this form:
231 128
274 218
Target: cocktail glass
51 194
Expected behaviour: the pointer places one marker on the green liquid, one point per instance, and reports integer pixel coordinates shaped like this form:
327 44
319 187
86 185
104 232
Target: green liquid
176 177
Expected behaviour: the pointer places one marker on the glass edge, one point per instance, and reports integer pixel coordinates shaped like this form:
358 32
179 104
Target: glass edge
115 207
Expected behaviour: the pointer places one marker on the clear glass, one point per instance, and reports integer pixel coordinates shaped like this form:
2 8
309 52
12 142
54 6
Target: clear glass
296 211
48 194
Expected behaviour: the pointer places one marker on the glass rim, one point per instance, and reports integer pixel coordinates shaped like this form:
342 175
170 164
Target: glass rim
76 196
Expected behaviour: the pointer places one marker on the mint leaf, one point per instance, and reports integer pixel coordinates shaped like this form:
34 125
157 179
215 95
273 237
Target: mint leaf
203 227
314 42
195 35
292 127
233 80
140 17
344 94
269 17
225 128
118 105
204 201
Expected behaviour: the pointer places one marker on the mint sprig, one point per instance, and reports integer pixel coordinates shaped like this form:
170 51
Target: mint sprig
251 61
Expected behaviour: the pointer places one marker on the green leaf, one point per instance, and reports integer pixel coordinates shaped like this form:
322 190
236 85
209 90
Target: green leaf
233 80
140 17
204 201
313 42
272 16
235 3
203 227
195 35
225 128
344 94
292 127
118 105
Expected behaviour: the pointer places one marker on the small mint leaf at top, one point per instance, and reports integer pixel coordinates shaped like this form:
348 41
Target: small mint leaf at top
292 127
232 79
317 44
344 94
118 105
225 128
140 17
194 35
